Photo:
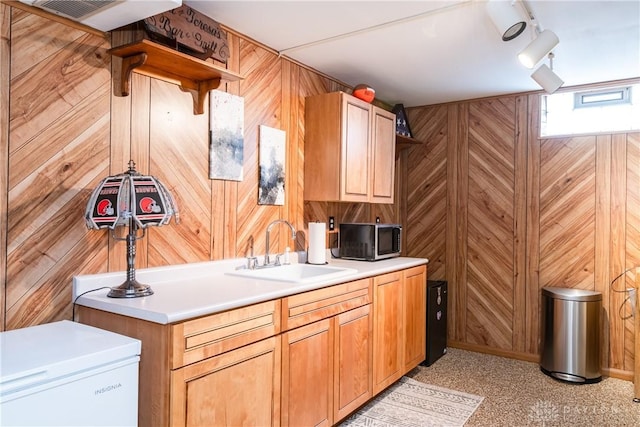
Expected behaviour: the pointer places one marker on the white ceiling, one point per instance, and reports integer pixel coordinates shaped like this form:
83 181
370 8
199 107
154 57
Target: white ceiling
430 52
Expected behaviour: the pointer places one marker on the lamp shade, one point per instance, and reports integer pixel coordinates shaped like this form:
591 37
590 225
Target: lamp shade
538 48
506 18
129 195
546 78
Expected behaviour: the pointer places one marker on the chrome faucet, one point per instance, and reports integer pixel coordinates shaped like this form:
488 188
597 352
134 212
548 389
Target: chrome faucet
267 261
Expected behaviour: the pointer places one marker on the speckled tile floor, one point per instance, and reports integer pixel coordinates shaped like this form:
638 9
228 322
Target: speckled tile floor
517 393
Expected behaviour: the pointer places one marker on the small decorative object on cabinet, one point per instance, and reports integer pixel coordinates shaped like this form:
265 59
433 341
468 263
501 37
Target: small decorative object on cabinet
402 125
404 136
364 92
351 146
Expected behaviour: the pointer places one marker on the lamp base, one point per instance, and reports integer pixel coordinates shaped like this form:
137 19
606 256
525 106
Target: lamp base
130 289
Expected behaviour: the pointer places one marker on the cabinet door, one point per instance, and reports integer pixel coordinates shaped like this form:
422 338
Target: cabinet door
355 154
307 376
352 368
415 316
387 330
236 388
383 148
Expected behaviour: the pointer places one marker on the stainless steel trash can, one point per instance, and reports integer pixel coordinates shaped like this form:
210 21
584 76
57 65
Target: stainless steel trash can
570 334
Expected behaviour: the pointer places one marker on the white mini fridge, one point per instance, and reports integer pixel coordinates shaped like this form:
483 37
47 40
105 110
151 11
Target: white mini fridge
68 374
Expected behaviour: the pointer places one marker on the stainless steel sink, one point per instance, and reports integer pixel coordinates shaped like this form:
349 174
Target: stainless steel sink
295 273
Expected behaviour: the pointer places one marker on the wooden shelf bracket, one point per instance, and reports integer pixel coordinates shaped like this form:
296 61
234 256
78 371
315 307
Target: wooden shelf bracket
129 64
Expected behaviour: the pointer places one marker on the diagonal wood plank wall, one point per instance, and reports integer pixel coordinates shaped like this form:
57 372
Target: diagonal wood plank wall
498 212
501 214
65 130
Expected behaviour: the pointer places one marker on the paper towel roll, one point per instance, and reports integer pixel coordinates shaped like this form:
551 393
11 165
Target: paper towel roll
317 246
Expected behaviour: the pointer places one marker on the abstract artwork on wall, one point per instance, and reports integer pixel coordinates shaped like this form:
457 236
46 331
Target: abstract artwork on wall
272 166
226 136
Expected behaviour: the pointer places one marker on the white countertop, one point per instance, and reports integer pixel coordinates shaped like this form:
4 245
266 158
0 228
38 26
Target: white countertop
187 291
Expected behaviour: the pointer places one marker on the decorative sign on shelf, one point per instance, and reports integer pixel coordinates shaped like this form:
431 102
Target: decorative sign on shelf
402 125
188 27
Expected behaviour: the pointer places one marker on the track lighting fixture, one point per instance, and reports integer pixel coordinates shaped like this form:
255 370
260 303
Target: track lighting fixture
538 48
506 18
546 78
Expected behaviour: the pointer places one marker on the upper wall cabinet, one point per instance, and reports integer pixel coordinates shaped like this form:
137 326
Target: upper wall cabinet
349 150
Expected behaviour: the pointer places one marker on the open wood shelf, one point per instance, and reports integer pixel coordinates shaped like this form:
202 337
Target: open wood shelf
154 60
405 142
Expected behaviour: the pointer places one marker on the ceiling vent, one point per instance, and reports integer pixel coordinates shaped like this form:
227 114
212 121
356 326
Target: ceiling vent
105 15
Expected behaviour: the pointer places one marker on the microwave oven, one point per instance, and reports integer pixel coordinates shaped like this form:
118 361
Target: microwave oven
370 241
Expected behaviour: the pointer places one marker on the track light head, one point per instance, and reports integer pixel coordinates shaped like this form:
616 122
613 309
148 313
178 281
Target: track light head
538 48
547 79
506 18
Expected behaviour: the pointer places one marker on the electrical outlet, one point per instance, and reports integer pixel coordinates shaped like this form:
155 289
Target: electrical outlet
332 223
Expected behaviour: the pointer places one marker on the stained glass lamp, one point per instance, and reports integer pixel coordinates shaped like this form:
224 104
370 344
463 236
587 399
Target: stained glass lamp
133 200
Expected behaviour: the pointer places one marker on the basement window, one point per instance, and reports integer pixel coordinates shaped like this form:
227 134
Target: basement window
613 109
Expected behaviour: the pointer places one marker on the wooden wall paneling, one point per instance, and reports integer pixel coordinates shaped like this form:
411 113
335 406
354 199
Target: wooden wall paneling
567 212
227 232
140 146
386 212
289 113
532 247
617 249
36 37
296 129
5 50
178 137
120 148
68 132
61 185
459 135
602 243
632 239
426 189
519 325
262 100
354 212
455 324
64 80
402 194
490 229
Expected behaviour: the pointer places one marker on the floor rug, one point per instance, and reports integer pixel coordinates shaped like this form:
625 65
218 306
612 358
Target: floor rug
410 403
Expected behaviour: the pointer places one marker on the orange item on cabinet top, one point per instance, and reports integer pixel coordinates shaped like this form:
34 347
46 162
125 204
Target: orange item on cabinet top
364 92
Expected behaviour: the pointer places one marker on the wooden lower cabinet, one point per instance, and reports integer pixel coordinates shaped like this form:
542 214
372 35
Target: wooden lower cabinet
415 314
327 369
352 370
233 389
399 332
309 359
326 353
220 369
387 330
307 377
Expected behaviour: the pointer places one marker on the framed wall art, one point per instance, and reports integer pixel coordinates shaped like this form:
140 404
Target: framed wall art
272 166
226 136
